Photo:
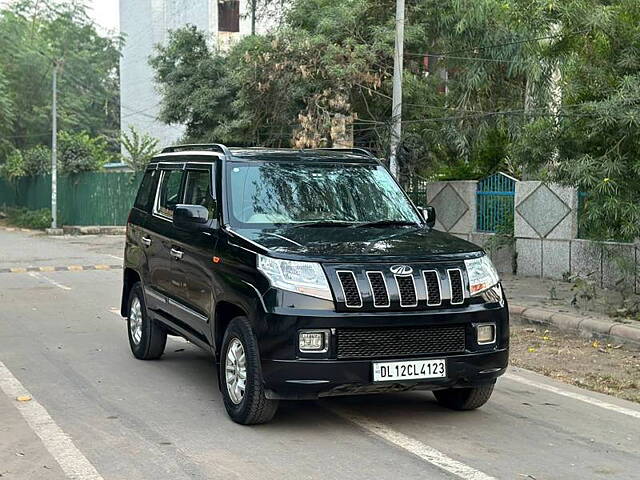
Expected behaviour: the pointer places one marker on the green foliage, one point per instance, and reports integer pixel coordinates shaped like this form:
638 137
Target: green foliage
593 144
140 149
25 218
34 33
37 160
14 166
79 152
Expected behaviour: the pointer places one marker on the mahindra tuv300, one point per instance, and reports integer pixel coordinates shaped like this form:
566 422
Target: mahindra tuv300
308 273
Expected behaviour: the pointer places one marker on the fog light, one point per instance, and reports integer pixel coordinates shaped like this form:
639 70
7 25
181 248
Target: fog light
486 333
315 341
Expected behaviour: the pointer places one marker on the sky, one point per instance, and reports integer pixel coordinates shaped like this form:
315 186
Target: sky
104 12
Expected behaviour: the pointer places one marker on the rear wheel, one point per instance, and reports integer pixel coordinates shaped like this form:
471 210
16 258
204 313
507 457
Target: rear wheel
241 376
147 339
464 398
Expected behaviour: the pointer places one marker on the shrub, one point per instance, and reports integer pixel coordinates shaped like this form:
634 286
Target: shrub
79 152
25 218
37 160
13 167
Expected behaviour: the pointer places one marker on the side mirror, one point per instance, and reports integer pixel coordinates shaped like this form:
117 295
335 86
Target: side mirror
429 215
191 218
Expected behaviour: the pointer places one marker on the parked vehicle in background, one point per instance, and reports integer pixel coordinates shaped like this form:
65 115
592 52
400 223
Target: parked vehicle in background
308 273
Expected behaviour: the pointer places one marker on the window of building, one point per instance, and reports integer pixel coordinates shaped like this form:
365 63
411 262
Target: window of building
228 15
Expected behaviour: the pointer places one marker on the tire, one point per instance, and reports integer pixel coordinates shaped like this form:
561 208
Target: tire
147 338
464 398
249 406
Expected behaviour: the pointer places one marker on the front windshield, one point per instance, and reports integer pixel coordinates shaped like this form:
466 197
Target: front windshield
275 193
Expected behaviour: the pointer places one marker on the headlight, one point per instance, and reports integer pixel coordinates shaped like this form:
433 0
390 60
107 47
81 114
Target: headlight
306 278
482 274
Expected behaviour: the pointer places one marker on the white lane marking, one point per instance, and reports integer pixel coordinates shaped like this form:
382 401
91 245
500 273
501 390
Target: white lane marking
74 464
116 257
50 280
574 395
115 311
425 452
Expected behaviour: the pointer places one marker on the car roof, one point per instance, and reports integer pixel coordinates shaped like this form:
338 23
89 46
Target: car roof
350 155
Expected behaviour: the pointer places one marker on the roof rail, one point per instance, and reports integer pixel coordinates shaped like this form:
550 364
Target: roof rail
363 151
218 147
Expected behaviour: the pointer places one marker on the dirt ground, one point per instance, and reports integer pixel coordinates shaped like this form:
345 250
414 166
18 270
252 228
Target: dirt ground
606 368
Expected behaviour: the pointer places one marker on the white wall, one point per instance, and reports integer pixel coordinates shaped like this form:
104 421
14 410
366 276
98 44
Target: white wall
146 23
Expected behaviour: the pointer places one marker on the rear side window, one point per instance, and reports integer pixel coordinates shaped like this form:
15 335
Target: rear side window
198 191
144 199
169 194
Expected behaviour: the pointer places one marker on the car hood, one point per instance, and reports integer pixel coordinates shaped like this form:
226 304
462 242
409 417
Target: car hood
345 244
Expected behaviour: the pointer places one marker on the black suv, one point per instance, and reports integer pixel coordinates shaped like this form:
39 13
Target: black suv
308 273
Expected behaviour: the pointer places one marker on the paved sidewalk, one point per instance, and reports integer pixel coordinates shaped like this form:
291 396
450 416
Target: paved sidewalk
549 302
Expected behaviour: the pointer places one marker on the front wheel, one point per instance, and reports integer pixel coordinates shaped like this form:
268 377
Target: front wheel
241 376
147 339
464 398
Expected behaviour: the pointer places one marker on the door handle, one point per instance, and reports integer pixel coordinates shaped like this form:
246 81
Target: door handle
146 241
177 254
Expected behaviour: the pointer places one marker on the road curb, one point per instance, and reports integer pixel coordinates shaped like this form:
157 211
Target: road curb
94 230
589 326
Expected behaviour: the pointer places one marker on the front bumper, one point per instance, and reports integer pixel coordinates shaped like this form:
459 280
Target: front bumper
309 379
288 374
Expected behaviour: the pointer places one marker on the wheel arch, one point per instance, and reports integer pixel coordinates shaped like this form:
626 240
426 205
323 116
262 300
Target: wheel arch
129 279
225 312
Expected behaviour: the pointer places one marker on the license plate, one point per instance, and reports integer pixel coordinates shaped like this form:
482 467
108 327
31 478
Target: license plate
409 370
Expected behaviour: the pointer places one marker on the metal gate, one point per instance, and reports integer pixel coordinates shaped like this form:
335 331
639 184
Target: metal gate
495 199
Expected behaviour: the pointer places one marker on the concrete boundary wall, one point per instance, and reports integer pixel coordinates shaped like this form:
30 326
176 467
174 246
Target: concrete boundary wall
455 204
545 242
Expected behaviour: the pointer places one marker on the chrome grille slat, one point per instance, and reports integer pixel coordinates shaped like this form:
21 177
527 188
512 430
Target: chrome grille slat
350 289
379 290
406 290
433 287
456 286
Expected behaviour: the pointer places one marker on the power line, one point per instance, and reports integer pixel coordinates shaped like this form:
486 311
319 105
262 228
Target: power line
515 42
453 57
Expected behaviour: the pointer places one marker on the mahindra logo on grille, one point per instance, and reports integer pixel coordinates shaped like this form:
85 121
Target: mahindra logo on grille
401 270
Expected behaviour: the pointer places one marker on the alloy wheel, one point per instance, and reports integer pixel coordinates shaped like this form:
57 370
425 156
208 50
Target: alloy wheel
236 371
135 320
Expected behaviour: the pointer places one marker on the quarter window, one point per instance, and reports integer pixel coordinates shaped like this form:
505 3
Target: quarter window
169 195
143 199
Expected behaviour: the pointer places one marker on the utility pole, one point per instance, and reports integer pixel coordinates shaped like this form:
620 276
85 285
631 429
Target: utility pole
254 7
396 110
54 149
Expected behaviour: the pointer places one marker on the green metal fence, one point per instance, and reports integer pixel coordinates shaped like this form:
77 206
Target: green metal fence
495 197
92 198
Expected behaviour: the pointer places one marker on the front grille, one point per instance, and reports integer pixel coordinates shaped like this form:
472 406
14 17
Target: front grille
457 293
407 291
398 342
350 289
378 289
432 281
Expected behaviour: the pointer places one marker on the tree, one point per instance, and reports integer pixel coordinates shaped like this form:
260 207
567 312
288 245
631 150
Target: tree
32 35
140 149
593 142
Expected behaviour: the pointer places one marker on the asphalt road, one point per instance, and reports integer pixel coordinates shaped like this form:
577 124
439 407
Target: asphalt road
89 410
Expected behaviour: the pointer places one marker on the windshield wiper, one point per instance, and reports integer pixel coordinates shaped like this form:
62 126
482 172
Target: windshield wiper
387 223
324 223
